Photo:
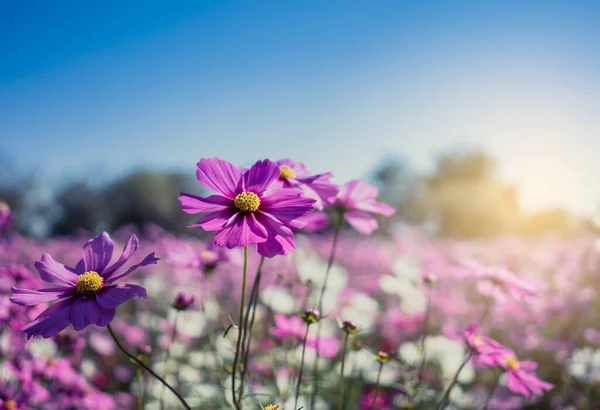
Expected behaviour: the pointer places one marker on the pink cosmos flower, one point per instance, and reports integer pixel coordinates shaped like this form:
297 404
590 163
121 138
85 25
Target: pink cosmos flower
520 376
248 209
485 349
87 294
327 346
292 326
357 200
498 283
296 175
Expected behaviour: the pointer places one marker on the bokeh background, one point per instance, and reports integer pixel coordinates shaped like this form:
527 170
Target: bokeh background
475 118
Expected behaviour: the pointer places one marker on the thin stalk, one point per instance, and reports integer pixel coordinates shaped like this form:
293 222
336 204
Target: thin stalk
167 354
492 391
140 392
453 383
301 366
249 325
322 295
341 392
148 369
241 331
377 386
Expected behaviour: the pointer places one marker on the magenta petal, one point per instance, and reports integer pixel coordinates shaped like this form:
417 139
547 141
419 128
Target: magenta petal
375 207
258 178
98 252
361 221
128 250
27 297
218 176
55 273
516 385
280 239
112 296
288 207
86 311
192 204
242 230
320 189
215 220
150 259
51 321
358 190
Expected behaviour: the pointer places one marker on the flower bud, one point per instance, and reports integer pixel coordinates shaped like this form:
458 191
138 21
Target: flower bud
311 316
183 301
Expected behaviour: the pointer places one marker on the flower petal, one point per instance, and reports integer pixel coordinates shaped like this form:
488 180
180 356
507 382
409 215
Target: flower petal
288 207
258 178
361 221
98 252
320 189
129 249
150 259
192 204
27 297
358 190
242 230
373 206
218 176
112 296
215 220
86 311
280 239
51 321
55 273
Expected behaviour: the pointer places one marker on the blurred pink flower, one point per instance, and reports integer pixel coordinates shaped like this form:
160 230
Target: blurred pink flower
357 200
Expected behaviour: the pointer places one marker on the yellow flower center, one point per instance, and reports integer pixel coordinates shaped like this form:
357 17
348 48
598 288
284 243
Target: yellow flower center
477 341
272 407
512 362
286 172
10 404
247 201
89 282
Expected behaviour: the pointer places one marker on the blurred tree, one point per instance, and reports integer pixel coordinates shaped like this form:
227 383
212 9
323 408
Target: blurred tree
140 198
145 196
468 199
81 207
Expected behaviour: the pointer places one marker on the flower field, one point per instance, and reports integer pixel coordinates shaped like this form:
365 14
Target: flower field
295 301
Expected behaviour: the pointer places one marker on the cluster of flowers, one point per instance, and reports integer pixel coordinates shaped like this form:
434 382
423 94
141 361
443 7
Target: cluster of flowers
345 321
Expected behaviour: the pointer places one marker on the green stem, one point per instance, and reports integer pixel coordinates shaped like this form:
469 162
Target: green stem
148 369
240 333
492 391
377 386
341 394
248 326
167 354
140 393
453 383
317 346
301 367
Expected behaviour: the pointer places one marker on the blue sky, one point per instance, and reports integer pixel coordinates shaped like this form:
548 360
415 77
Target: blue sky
97 89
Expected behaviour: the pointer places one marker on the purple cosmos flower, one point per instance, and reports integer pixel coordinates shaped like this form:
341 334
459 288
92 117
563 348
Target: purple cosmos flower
520 376
485 349
248 210
87 294
357 200
296 175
